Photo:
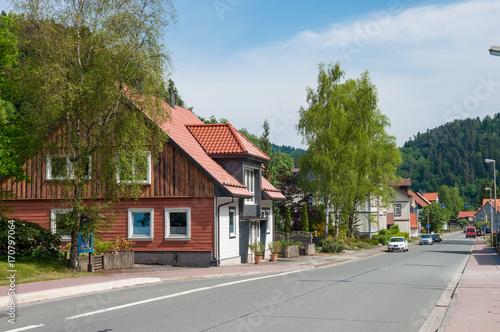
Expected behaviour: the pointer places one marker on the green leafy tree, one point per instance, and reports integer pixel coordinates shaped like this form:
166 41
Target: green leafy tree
82 62
288 220
349 154
265 146
435 216
304 220
450 197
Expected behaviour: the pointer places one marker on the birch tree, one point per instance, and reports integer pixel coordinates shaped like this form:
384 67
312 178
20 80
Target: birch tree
349 153
80 64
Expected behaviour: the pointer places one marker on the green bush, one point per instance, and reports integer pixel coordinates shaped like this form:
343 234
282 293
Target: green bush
331 245
30 240
403 234
102 247
383 232
394 229
371 241
383 239
363 245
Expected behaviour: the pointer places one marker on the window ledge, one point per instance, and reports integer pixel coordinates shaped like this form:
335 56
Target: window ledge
140 239
177 239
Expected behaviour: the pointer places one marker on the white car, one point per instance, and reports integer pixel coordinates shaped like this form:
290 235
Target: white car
397 243
426 239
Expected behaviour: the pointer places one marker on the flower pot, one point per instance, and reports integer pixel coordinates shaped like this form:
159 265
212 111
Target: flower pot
273 257
258 259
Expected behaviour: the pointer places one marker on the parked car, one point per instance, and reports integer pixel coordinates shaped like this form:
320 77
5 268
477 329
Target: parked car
397 243
470 231
436 237
426 239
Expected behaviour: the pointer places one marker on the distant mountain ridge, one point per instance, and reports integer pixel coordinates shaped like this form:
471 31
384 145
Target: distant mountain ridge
453 154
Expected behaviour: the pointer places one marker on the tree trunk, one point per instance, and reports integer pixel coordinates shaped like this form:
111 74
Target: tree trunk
327 210
337 222
75 229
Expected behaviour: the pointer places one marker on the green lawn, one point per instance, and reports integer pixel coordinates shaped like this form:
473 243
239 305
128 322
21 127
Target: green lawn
37 271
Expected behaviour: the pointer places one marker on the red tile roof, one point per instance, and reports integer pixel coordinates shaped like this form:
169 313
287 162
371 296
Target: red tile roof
223 139
418 199
270 191
182 138
432 197
486 200
413 220
466 214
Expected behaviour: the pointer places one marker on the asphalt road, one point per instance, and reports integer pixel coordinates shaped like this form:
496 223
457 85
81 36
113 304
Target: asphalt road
389 292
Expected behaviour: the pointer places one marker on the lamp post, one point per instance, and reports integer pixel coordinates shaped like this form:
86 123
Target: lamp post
491 217
493 221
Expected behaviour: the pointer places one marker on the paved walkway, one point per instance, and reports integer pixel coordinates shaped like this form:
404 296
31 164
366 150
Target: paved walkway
475 306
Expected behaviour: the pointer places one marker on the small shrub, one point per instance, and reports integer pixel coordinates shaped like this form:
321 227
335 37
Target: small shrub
102 247
403 234
383 232
257 248
275 247
394 229
364 245
32 240
383 239
331 245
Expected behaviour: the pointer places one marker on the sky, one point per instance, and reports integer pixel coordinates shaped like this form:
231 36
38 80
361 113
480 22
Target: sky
251 60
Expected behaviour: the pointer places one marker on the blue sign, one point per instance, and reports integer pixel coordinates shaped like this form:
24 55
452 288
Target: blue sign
466 205
85 237
428 226
443 206
484 226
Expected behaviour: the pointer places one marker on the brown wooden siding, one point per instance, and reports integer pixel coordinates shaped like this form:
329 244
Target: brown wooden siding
172 175
202 221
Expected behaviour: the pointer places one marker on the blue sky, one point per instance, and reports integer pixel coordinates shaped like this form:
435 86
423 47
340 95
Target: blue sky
250 60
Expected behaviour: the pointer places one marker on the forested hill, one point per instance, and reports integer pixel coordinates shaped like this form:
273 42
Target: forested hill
453 154
291 151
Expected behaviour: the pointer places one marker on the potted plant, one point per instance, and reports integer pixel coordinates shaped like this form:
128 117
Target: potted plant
258 250
275 248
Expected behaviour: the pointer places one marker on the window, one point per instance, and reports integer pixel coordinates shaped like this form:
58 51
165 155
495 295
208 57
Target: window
58 216
249 180
397 209
232 218
265 213
137 169
61 168
140 224
178 223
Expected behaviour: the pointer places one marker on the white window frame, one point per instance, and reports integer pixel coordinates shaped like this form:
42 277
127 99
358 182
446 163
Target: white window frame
263 214
69 168
233 233
396 208
130 231
148 179
169 236
53 224
250 185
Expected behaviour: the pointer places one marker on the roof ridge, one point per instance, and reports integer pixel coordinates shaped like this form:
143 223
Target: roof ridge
233 131
249 141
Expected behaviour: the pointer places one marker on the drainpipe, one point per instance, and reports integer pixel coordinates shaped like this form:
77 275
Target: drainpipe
217 237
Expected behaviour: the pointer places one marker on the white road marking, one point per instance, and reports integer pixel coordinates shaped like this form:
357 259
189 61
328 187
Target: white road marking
26 328
176 294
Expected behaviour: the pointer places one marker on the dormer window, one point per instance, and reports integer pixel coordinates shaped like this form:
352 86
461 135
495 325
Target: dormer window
249 179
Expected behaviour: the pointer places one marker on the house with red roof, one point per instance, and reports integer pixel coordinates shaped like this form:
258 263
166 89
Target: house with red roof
203 202
487 212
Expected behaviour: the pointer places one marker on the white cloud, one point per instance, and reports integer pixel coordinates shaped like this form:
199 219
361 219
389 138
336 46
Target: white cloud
428 64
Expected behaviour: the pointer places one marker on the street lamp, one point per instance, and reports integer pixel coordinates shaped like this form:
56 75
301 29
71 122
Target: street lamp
491 217
493 221
495 50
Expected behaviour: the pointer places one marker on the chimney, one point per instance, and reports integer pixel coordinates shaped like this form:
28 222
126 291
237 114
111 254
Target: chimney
172 99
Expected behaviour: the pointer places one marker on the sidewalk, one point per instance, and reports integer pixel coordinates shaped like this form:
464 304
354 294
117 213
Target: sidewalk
147 274
475 306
